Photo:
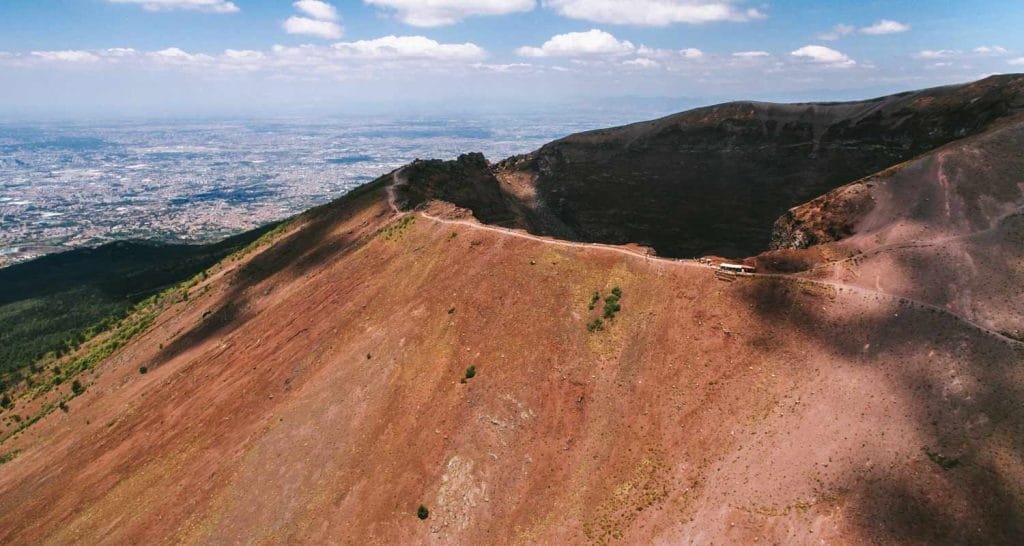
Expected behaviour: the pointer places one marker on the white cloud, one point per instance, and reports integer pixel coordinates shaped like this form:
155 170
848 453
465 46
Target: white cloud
823 55
642 62
437 13
657 13
213 6
408 47
578 44
175 55
991 50
669 54
312 27
120 52
1019 61
503 68
317 9
68 56
837 32
751 54
886 26
936 54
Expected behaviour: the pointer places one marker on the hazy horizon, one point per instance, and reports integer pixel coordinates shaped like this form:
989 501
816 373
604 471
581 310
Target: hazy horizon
118 59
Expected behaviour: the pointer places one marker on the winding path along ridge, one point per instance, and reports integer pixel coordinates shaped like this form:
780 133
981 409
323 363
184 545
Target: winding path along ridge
398 180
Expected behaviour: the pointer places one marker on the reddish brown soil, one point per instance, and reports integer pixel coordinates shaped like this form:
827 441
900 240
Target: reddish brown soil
320 402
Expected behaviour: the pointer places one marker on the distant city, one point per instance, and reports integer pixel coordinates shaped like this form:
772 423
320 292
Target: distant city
65 186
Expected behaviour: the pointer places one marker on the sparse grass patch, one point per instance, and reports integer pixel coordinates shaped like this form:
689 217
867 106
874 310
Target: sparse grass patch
940 459
398 229
9 456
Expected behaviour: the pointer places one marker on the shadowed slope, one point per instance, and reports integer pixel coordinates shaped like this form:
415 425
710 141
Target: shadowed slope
331 408
713 180
946 228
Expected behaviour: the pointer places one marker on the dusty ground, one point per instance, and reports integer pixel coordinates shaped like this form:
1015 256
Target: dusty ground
313 395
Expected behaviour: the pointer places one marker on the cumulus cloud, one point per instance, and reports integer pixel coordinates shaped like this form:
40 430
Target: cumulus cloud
312 27
357 59
991 50
580 44
936 54
751 54
642 62
67 56
437 13
174 55
317 9
837 32
823 55
886 26
212 6
504 68
408 47
656 13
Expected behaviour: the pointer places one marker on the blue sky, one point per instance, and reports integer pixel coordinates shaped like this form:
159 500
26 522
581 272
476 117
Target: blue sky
131 57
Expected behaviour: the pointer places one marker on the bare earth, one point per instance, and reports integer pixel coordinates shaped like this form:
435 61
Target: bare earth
319 401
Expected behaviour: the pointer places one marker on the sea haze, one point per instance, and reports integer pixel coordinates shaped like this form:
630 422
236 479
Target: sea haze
70 185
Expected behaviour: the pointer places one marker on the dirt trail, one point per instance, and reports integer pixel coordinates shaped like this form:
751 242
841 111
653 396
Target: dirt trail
398 180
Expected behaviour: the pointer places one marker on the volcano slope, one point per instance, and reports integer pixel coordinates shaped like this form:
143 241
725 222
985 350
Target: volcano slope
710 180
311 390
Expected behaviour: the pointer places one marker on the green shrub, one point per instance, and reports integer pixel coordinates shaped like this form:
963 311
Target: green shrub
470 372
77 388
617 292
593 301
6 402
595 325
422 512
611 306
143 370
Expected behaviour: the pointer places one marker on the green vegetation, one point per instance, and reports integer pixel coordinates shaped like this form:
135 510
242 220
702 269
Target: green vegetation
471 372
49 307
612 305
396 230
77 388
941 460
143 370
422 512
9 456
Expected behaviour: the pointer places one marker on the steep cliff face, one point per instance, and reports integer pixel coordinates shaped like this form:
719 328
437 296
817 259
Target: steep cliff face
467 182
714 180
